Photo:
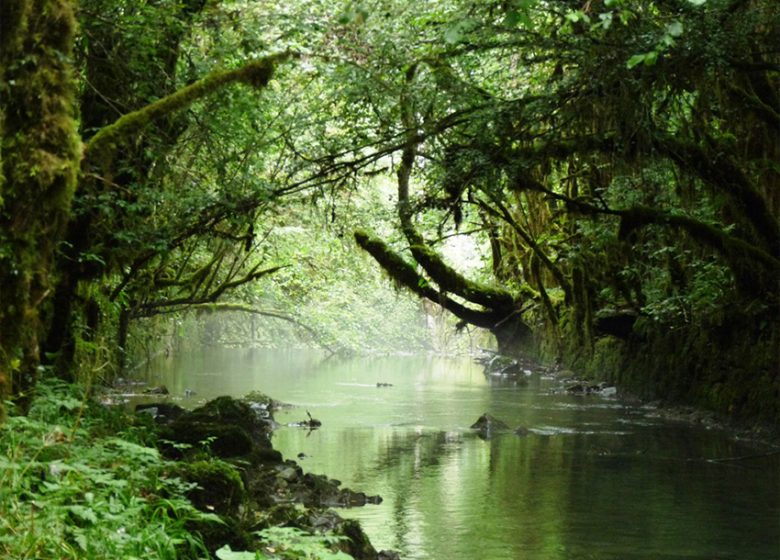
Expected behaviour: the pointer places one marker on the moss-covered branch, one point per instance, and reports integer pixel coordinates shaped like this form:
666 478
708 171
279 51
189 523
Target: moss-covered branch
405 274
718 169
109 139
451 281
206 295
503 213
447 278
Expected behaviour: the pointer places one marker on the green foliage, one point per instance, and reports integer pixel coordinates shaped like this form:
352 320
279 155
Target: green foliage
71 487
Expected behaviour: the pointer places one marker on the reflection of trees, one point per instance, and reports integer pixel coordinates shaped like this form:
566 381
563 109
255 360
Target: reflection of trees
555 497
448 482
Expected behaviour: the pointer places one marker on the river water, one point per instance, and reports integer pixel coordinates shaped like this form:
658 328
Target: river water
593 478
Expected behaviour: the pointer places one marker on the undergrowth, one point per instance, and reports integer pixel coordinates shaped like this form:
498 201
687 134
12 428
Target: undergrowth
82 481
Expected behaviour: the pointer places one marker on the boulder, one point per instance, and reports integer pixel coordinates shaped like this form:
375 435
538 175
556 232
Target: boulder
163 413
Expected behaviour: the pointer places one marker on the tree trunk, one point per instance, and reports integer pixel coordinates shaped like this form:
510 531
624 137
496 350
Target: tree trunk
41 153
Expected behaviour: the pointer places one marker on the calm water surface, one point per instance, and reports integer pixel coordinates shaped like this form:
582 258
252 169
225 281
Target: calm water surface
594 479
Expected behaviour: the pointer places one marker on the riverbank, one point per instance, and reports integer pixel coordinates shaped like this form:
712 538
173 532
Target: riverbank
722 371
80 480
586 466
604 371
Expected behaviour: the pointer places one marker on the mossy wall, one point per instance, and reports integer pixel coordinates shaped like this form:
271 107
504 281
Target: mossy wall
730 367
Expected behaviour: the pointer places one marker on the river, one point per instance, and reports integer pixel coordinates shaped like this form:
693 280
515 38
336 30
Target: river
593 479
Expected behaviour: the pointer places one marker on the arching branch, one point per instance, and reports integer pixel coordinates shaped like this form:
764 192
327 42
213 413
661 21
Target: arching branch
243 308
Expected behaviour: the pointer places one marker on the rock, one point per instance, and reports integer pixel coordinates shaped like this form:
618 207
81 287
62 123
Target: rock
522 431
356 544
384 384
254 477
488 421
487 425
324 520
219 487
260 409
228 427
222 440
502 365
576 389
289 473
159 390
265 456
163 413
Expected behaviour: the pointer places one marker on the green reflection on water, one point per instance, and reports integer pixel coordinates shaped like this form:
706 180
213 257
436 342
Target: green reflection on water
594 479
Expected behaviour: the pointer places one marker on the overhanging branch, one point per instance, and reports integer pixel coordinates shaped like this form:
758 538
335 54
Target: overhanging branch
101 148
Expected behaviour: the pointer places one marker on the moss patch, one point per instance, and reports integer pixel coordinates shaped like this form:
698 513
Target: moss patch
219 487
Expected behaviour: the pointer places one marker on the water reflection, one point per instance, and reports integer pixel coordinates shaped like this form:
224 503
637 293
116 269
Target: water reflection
591 479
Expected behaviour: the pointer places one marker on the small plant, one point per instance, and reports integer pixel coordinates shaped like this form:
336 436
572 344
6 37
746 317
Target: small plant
290 543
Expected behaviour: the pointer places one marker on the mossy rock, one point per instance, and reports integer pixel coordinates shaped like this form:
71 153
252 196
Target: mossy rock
229 427
358 546
233 412
488 422
219 439
265 456
219 485
256 397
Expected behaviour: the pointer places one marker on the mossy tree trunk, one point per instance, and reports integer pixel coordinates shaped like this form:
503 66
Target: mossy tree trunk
40 161
114 82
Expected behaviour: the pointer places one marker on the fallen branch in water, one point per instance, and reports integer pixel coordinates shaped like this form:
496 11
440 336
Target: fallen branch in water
744 457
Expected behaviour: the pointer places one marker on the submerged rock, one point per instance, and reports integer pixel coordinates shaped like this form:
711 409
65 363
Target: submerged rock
487 425
580 387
